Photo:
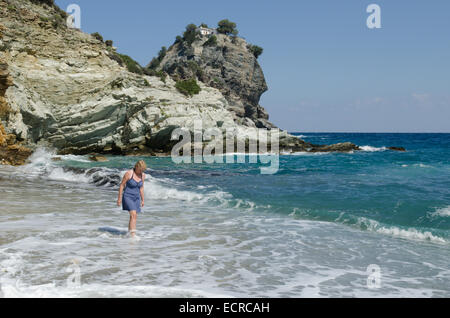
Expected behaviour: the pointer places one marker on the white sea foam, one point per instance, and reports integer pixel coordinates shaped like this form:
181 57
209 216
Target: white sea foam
74 158
59 174
418 165
248 205
17 290
421 165
40 162
363 148
372 149
164 190
445 211
153 189
167 189
304 153
409 233
41 165
158 189
11 265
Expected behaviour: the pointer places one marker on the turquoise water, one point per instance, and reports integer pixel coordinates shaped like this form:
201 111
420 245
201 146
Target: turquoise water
395 189
311 229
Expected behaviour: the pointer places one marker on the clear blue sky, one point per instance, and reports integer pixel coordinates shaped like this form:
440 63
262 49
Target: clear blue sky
326 71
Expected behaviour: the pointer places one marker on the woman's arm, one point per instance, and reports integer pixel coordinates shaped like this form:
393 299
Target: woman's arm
142 190
125 178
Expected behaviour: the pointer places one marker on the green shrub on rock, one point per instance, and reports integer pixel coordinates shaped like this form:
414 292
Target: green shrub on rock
212 41
156 61
227 27
50 3
195 68
131 64
161 74
188 87
191 33
178 39
98 36
256 50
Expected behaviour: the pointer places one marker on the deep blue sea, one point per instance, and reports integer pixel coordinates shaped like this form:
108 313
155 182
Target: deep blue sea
315 228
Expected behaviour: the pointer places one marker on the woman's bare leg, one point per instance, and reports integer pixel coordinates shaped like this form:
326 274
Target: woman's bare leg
132 223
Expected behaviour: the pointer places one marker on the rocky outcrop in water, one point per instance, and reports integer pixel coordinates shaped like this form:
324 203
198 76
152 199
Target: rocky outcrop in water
227 64
400 149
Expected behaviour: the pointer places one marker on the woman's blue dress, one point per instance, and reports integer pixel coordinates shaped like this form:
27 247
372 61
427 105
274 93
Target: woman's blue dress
131 197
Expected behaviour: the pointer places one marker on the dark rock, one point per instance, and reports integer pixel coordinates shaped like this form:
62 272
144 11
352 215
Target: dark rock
341 147
397 149
162 140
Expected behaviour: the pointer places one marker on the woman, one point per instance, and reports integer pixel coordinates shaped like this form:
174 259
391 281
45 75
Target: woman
132 198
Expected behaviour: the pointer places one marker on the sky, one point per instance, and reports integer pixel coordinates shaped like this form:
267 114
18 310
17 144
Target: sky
325 69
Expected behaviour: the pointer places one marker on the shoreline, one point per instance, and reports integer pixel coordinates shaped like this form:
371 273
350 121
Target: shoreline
364 225
310 230
19 155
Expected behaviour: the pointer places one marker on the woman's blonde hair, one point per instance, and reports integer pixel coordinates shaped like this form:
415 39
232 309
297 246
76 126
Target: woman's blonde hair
141 164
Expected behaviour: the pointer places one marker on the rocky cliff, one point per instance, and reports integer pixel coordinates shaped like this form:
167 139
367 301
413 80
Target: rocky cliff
227 63
66 89
11 151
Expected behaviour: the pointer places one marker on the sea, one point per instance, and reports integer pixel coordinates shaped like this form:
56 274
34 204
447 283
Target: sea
371 223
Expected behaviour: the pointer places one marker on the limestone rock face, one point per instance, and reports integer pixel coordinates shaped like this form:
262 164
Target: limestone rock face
70 94
228 65
11 152
62 88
